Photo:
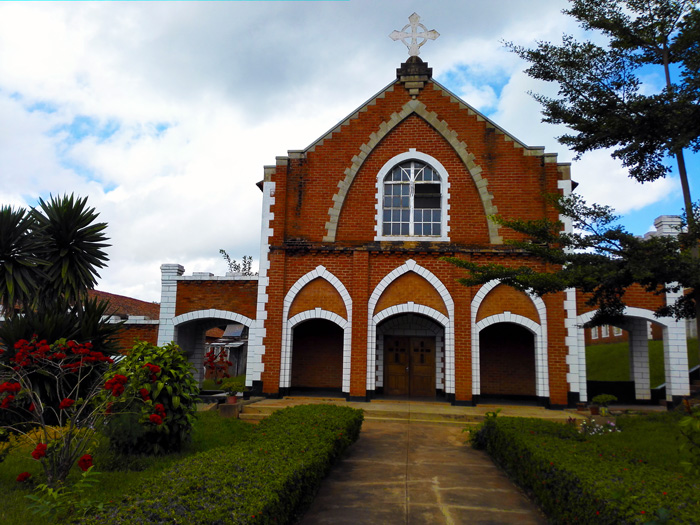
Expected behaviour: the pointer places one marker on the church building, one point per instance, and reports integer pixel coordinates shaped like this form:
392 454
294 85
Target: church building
353 295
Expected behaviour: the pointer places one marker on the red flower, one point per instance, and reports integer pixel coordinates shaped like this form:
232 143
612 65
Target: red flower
85 462
155 418
24 476
66 403
31 407
154 369
6 402
12 388
160 409
40 451
144 394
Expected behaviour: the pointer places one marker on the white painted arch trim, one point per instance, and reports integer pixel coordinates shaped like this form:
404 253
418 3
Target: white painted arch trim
213 313
317 313
446 321
412 154
539 331
631 311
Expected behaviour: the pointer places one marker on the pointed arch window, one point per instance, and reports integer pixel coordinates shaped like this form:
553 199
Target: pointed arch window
412 201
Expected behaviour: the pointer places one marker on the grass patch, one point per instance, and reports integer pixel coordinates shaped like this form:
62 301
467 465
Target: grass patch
611 362
633 476
118 474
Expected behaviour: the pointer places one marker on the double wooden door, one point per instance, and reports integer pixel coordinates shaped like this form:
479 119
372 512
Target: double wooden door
409 366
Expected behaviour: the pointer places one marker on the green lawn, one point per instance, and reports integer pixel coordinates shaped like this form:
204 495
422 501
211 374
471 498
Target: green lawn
610 362
116 475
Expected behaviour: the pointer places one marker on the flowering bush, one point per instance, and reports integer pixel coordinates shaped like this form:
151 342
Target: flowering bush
161 420
217 363
74 403
591 428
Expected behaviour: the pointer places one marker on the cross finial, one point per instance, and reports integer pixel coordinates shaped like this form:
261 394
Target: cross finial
424 35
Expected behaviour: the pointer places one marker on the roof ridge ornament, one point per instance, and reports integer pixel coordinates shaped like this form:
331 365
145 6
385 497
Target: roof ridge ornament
414 46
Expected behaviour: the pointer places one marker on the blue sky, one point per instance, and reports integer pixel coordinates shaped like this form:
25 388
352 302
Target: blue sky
164 114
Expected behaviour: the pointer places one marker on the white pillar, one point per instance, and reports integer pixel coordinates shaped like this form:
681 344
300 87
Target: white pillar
639 357
168 295
676 355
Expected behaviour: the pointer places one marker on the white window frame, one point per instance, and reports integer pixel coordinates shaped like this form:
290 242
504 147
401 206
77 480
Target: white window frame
412 154
594 332
605 331
617 331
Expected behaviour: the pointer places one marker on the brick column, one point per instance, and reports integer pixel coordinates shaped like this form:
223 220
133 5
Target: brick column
169 274
360 298
639 358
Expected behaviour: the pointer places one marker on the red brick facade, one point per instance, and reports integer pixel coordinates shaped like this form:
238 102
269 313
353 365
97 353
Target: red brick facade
323 213
354 232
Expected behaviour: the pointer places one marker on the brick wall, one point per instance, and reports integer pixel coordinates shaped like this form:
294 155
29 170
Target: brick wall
131 333
317 355
506 299
239 296
507 358
319 293
411 287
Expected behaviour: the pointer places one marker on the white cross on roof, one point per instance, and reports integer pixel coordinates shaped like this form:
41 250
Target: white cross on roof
425 35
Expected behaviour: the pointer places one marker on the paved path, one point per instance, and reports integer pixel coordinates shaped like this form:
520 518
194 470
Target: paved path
408 473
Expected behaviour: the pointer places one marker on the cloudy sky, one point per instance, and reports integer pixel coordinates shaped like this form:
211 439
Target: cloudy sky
165 113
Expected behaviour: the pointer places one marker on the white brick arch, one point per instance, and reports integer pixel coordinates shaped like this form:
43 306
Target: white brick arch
316 313
213 313
675 351
446 321
189 331
539 330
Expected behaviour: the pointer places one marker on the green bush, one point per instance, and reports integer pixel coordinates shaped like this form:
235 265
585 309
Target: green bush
575 478
269 478
161 420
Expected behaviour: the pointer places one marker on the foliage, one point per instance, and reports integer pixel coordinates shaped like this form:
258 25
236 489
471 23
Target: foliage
590 479
49 254
65 501
119 474
68 368
591 428
234 385
602 96
50 257
266 479
690 429
243 268
599 258
161 420
216 362
604 400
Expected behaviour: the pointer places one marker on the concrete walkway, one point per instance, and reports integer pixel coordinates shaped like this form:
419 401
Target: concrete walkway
417 473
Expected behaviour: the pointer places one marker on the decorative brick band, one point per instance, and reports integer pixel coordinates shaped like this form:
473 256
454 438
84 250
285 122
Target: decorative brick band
539 331
451 136
213 313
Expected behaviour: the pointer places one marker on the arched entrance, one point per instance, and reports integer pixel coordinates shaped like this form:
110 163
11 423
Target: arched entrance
191 335
410 357
317 356
507 361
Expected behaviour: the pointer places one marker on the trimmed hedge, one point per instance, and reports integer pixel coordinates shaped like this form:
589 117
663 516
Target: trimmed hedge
270 478
577 479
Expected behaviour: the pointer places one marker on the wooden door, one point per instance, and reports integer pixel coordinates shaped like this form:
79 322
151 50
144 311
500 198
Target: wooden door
396 365
422 373
409 366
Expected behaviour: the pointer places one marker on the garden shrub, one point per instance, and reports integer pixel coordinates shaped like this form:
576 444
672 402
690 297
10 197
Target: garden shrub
268 478
160 421
575 478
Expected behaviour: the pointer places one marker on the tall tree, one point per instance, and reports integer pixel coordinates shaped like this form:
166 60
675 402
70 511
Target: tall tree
604 101
602 97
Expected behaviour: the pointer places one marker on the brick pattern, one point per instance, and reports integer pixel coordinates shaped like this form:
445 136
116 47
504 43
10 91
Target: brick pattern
319 293
411 287
507 356
317 355
131 333
504 298
232 295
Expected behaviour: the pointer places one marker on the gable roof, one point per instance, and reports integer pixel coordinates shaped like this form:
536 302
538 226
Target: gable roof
121 306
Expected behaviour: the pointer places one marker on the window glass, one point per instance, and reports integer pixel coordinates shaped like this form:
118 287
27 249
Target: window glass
412 200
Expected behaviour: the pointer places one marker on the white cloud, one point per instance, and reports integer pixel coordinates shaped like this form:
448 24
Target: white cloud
200 96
